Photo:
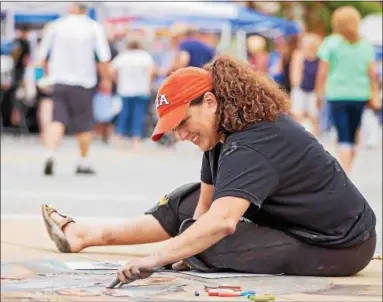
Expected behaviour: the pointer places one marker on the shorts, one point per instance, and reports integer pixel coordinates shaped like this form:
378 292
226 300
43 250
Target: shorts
347 117
303 102
74 105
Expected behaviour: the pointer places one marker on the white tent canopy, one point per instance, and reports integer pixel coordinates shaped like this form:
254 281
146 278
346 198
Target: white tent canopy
163 9
371 29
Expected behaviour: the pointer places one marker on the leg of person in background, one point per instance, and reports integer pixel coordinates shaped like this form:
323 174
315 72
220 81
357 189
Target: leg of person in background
97 130
53 135
299 106
130 117
347 119
106 130
45 115
355 112
313 113
56 129
122 122
139 120
84 140
16 104
341 118
81 102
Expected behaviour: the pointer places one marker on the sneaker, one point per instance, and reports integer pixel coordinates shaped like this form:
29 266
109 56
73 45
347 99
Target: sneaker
48 169
85 171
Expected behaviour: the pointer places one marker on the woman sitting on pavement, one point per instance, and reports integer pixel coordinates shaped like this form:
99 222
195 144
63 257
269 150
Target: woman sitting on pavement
271 199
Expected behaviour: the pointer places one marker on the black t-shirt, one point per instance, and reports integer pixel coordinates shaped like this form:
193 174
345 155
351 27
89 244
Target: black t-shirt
292 182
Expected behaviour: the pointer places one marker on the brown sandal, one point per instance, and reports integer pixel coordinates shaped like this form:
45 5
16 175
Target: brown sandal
55 230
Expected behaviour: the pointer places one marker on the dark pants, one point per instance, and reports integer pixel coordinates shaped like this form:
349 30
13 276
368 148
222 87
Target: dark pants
132 118
262 249
347 117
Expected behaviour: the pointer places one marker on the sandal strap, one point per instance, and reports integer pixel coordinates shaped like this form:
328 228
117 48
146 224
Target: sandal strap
51 210
63 223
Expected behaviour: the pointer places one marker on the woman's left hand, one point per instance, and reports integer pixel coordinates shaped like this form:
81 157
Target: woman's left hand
139 269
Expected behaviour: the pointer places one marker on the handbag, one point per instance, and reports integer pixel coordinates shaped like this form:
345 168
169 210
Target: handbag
106 107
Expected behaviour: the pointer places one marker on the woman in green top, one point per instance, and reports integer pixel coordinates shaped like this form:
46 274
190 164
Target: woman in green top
346 78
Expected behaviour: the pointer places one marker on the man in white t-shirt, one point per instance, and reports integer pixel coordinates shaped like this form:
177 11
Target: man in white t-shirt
134 70
75 46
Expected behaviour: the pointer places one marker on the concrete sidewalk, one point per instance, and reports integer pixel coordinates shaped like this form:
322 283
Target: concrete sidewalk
27 240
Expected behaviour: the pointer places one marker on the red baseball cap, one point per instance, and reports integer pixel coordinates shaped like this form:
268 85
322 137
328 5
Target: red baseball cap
176 93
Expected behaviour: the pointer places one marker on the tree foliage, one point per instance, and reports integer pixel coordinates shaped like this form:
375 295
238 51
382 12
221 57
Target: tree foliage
317 15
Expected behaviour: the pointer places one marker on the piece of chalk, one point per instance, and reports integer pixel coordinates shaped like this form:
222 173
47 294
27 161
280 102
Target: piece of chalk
247 292
217 292
196 293
212 292
228 294
261 298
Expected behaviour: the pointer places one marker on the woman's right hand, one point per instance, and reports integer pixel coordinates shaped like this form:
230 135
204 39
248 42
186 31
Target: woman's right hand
375 103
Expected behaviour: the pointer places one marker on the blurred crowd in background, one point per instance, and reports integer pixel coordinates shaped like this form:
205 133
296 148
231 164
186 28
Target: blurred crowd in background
139 64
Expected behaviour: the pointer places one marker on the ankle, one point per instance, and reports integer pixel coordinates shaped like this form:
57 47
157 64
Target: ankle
76 235
84 162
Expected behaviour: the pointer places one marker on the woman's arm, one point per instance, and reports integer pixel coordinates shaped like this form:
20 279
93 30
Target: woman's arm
205 199
218 222
296 68
375 102
321 81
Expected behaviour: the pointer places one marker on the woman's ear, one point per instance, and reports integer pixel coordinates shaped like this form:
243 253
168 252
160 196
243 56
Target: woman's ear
210 100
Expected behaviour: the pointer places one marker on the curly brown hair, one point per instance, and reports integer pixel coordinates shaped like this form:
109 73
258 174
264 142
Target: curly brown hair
244 96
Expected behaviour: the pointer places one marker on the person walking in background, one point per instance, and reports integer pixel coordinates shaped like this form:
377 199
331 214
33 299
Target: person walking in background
134 70
72 43
43 96
21 52
104 100
346 78
192 51
303 73
259 57
280 61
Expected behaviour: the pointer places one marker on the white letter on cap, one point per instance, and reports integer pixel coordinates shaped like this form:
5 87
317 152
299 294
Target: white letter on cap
161 100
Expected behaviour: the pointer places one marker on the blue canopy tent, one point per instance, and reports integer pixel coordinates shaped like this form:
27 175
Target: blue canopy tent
31 18
270 26
37 13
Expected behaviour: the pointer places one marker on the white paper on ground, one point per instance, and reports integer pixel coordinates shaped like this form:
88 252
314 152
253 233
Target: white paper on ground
95 265
224 275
